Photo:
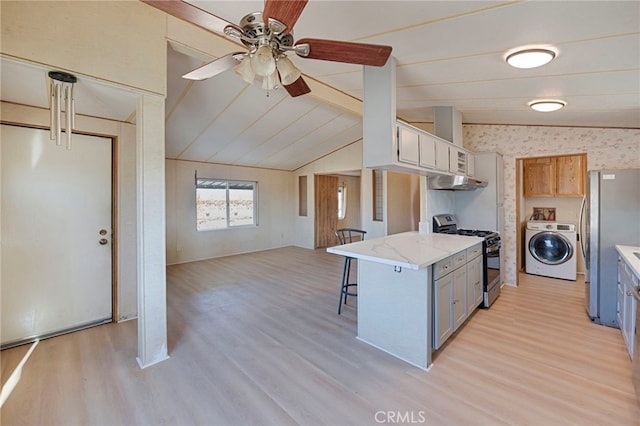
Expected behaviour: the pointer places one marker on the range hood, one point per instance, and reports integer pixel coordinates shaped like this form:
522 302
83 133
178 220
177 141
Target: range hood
455 183
447 124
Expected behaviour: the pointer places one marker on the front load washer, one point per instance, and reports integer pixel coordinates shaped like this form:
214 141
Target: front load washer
551 249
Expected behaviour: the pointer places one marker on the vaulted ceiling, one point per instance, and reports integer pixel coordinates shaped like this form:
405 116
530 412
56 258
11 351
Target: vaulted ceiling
448 53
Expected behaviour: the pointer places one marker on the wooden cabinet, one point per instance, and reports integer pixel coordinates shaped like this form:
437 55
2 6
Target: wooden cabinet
562 176
570 175
539 177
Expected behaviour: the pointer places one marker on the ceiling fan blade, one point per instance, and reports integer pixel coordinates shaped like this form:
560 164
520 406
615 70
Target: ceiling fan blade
285 11
190 13
216 67
344 51
297 88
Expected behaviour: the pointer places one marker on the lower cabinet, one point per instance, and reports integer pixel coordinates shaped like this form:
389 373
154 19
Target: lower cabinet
459 297
475 289
626 304
442 310
455 280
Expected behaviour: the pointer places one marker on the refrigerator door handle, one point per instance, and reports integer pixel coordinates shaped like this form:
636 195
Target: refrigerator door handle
581 228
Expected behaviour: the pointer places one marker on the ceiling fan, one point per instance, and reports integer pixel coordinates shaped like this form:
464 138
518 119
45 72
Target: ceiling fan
268 36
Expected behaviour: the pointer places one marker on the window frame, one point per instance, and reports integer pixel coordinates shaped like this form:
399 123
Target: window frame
228 183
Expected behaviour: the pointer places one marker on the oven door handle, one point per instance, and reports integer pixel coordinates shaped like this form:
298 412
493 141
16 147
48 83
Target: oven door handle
493 250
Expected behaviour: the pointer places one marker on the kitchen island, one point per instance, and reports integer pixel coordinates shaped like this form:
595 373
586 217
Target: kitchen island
395 290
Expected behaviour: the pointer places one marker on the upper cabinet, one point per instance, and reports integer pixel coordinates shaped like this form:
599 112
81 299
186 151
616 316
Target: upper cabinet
422 149
562 176
408 145
571 173
392 145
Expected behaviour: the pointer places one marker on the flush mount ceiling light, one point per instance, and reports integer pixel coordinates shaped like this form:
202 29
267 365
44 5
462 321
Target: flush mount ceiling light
547 105
530 58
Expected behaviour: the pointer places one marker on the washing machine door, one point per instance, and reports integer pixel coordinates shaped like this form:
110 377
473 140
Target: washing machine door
550 248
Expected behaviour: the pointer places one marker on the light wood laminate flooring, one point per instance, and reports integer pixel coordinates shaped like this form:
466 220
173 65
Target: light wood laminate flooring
255 339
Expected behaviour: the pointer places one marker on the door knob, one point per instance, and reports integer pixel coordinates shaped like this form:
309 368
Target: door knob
103 232
103 241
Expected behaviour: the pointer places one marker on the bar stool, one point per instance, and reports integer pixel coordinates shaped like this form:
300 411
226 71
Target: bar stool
346 236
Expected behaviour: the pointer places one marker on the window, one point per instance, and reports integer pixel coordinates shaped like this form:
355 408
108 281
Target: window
342 201
302 195
377 196
222 204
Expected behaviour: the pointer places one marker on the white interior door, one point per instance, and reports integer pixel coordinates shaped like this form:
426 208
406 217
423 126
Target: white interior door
56 209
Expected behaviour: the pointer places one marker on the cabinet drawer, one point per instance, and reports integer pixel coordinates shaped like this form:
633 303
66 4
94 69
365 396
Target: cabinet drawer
443 267
459 259
475 251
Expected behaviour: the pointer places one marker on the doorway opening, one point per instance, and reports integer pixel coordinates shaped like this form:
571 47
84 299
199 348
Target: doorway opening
337 205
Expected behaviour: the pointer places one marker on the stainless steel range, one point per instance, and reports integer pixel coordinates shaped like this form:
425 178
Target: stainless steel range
447 224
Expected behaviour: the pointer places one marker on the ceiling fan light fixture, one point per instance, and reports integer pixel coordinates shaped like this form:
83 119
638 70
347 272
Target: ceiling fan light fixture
547 105
245 70
289 73
262 61
270 82
530 58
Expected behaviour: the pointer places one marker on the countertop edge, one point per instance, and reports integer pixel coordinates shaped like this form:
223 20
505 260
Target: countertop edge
627 253
462 243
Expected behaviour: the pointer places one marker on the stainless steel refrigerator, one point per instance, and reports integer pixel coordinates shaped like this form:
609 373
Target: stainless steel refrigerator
610 216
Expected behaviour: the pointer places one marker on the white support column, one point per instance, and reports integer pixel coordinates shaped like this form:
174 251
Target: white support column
152 296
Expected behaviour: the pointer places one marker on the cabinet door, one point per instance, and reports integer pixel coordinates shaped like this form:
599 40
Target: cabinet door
480 282
539 177
459 297
620 294
442 315
427 152
408 145
442 155
629 317
471 165
570 175
474 284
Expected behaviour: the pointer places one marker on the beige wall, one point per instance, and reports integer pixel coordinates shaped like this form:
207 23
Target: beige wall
403 202
605 148
276 203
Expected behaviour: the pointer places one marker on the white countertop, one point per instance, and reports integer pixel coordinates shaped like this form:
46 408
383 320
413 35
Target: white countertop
411 250
627 253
